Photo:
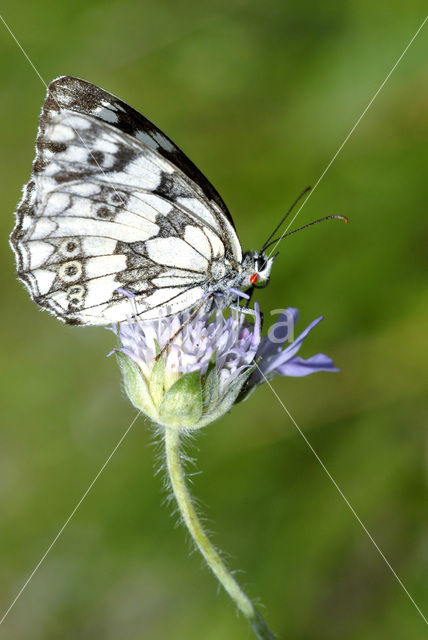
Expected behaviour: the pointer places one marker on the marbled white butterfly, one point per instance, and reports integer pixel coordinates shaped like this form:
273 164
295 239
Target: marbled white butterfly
114 208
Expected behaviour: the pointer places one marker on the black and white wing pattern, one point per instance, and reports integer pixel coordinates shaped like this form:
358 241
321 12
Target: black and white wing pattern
112 204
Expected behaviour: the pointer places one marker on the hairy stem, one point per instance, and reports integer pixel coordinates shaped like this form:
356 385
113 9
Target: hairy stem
192 522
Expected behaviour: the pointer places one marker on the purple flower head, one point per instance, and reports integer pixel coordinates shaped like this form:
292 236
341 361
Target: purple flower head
187 371
231 340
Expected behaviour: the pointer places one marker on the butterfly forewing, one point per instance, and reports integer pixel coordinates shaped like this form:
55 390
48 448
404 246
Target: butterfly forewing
114 204
86 98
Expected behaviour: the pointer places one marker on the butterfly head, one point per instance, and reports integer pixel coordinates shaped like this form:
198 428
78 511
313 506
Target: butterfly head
256 268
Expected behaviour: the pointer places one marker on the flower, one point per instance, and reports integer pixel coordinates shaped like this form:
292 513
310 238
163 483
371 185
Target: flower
187 370
198 376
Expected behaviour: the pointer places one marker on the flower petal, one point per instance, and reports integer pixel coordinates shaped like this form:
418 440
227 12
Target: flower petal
298 367
286 355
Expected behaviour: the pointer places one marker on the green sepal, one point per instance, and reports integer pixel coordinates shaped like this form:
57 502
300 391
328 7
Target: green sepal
227 400
210 386
235 387
157 380
247 390
135 386
157 347
182 403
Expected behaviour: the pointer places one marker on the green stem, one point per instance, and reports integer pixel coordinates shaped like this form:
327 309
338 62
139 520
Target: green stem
192 522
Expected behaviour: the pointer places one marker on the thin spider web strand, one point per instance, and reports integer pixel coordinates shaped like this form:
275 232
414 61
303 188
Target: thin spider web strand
361 523
58 535
88 149
24 586
348 504
22 49
351 132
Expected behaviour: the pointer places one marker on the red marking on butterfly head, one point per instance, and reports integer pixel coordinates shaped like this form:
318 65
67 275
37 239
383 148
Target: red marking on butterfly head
254 278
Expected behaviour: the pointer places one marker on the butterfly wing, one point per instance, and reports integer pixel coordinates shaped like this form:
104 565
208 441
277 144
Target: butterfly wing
105 210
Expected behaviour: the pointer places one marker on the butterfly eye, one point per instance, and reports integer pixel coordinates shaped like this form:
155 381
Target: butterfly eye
254 278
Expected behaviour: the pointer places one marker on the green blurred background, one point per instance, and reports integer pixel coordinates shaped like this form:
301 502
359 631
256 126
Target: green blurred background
260 95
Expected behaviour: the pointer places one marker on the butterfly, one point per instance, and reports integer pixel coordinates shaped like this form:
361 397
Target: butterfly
115 209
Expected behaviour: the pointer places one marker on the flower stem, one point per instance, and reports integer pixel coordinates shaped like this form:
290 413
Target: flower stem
192 522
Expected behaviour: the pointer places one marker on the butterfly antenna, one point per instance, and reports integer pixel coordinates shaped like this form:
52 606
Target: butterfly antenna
343 218
305 190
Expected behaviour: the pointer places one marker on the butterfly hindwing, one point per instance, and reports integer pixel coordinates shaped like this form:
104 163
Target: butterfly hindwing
106 211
